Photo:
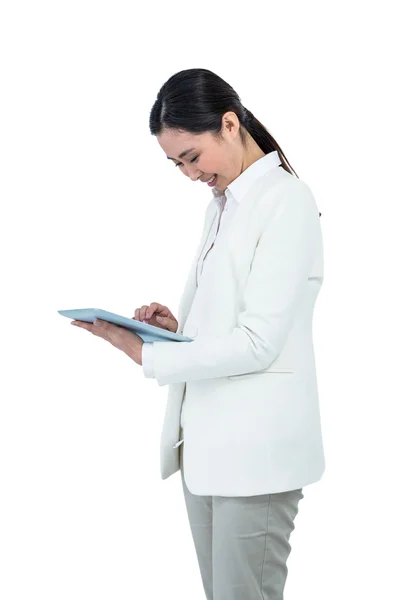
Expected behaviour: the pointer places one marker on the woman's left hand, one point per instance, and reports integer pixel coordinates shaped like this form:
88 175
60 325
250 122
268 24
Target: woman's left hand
121 338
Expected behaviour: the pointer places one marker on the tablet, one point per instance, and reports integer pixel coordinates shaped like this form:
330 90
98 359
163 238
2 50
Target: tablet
148 333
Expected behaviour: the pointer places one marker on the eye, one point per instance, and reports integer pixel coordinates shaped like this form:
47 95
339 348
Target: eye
193 160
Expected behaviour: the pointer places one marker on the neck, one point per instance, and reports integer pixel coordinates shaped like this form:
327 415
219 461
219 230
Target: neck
253 153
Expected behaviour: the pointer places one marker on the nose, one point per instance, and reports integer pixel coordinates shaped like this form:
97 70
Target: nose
193 174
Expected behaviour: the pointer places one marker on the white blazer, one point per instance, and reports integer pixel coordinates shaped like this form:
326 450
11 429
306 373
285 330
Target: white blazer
244 392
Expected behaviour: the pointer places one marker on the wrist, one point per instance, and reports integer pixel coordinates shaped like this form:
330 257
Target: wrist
134 351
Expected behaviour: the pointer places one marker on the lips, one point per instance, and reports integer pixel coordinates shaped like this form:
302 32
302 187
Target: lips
209 178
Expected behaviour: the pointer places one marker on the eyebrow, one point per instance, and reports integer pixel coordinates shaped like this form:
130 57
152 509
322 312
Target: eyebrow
182 154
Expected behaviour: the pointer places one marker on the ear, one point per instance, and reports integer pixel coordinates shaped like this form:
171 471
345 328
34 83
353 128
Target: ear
230 124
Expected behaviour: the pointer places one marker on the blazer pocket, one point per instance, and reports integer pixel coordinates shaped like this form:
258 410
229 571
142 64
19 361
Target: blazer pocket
262 372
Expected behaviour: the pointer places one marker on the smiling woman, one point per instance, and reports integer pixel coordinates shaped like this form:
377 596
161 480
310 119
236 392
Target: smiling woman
205 130
242 420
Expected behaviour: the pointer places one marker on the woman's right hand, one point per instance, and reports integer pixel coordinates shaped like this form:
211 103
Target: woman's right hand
158 315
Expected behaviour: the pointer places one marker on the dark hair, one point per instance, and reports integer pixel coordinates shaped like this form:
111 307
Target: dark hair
195 100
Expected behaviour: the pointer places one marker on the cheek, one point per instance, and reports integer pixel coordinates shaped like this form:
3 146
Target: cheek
210 166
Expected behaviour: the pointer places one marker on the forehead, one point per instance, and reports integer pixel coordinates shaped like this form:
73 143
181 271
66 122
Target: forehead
174 141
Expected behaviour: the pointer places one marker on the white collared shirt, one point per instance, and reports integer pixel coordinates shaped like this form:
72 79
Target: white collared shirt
227 203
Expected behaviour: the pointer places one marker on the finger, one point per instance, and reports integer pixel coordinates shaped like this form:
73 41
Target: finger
142 312
151 309
156 307
81 324
166 322
137 314
162 320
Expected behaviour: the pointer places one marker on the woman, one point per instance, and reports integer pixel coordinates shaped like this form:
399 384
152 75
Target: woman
242 421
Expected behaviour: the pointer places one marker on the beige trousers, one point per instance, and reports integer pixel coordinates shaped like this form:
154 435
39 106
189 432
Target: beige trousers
242 543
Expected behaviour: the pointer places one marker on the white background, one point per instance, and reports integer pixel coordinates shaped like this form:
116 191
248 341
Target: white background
93 215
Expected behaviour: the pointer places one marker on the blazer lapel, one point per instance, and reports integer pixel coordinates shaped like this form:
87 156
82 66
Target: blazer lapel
191 283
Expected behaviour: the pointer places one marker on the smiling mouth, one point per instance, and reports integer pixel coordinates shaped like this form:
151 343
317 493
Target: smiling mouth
212 181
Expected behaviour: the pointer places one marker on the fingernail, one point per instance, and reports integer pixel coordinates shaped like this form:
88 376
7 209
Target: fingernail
147 315
97 322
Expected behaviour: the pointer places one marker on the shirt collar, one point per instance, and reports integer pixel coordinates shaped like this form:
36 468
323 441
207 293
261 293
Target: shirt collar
240 186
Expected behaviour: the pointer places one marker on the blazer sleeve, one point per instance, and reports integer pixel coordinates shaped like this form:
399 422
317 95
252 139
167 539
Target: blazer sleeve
278 277
147 359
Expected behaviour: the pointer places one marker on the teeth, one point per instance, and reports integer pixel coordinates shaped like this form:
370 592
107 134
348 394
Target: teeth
209 181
